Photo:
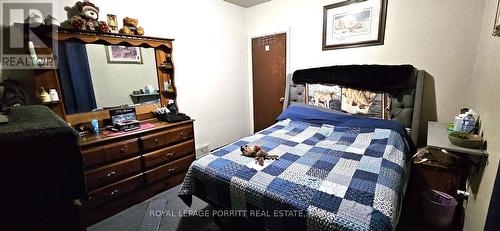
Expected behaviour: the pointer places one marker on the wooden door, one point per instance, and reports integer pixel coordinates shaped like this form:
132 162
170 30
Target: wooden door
269 76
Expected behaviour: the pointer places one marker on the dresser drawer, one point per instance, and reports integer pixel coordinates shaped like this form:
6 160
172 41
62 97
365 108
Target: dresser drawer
116 190
169 169
168 154
112 172
162 139
108 153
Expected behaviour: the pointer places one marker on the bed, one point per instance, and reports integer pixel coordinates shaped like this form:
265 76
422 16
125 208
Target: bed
335 172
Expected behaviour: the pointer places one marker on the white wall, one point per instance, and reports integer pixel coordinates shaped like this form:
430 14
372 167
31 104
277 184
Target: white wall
483 97
440 37
209 56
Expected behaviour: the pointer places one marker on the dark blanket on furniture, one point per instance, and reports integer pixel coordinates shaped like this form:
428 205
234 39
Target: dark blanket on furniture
386 78
41 168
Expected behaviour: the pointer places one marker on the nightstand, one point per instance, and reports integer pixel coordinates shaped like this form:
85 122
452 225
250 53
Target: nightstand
437 138
450 164
446 170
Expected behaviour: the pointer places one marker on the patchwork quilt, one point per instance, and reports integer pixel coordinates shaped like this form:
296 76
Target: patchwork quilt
327 177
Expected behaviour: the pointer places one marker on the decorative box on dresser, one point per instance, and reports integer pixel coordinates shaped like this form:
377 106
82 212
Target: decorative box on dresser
121 171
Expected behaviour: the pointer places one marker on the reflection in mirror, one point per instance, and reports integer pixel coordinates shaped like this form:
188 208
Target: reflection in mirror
94 77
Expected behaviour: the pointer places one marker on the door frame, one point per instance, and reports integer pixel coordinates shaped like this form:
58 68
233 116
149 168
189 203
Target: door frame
287 32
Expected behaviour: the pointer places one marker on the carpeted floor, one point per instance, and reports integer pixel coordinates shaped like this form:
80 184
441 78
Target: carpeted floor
147 216
161 213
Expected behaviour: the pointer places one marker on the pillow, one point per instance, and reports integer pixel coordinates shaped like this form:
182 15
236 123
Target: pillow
350 100
324 95
333 111
366 103
312 114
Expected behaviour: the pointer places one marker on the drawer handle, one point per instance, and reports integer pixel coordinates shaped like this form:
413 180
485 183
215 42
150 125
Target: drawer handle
122 150
170 155
172 169
111 174
114 192
157 141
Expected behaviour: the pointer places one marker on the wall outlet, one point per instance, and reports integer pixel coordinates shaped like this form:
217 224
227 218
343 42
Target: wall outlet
203 150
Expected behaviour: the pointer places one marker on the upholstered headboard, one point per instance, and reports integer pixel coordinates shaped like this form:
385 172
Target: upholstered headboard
406 106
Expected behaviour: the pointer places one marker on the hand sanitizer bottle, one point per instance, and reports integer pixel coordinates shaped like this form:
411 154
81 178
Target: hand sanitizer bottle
459 120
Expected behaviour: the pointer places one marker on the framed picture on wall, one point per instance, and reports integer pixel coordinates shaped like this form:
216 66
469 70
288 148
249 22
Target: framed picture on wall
123 54
354 23
496 28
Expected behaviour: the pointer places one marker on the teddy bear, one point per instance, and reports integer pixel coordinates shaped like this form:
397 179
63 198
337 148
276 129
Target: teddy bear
130 27
258 152
87 18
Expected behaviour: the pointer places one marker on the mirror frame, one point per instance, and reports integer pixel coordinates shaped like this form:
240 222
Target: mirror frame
48 78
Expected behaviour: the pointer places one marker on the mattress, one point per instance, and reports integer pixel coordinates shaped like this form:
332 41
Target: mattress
335 172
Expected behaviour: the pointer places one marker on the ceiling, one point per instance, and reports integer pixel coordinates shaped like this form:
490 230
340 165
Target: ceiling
247 3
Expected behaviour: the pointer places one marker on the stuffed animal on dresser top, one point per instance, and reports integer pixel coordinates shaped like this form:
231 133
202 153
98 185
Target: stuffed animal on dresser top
257 152
88 16
130 27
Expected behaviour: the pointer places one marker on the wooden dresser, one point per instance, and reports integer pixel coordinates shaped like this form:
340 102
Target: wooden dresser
119 171
122 171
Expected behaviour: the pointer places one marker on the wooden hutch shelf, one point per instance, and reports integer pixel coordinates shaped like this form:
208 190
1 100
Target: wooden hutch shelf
49 77
67 34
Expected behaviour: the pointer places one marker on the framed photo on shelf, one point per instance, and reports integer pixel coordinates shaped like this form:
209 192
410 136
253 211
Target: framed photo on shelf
496 27
112 23
354 23
123 54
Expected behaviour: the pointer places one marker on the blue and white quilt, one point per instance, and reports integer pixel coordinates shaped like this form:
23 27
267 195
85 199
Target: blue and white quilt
340 177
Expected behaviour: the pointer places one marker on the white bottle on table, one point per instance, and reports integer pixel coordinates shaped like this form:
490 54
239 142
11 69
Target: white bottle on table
459 120
54 97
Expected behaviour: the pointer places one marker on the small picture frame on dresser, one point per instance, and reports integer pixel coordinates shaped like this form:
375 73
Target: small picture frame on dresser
112 23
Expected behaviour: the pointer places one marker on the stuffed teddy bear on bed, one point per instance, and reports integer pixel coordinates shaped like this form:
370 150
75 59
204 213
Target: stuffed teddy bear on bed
88 16
130 27
257 152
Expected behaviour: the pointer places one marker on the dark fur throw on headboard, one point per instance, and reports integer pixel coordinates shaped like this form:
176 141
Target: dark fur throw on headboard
390 79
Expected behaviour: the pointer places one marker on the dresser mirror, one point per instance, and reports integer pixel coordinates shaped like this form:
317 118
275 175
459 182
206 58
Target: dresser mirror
95 77
99 71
